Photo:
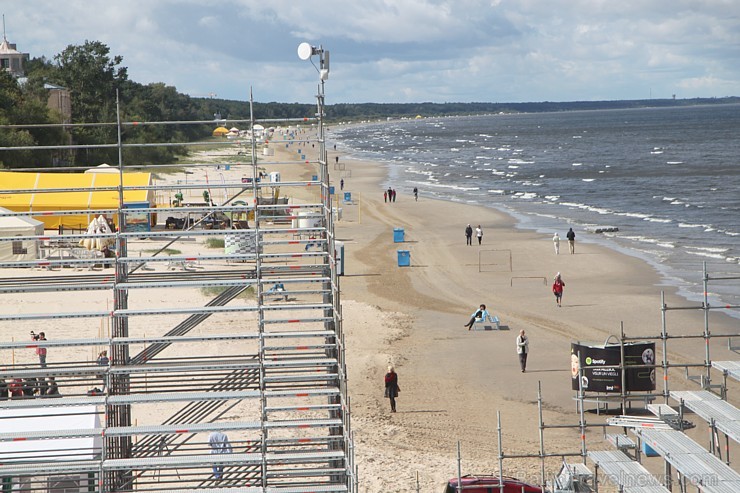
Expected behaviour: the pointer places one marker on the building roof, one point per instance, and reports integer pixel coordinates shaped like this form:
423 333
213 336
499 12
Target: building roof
8 48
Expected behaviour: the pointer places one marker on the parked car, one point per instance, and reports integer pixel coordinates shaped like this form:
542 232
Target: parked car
490 484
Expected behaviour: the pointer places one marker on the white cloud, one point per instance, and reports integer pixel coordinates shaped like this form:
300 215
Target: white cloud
406 50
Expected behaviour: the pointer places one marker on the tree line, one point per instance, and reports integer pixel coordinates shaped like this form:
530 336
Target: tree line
93 77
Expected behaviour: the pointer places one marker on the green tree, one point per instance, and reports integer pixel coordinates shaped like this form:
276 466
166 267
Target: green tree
92 78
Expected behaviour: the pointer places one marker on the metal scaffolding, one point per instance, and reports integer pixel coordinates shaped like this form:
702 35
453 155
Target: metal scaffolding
264 366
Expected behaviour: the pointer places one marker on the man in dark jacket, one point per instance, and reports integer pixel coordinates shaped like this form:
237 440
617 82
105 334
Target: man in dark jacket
571 235
469 235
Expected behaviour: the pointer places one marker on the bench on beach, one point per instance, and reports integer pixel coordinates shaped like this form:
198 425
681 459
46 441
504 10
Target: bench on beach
278 291
491 323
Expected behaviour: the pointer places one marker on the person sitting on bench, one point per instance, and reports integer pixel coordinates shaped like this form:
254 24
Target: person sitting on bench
277 288
480 314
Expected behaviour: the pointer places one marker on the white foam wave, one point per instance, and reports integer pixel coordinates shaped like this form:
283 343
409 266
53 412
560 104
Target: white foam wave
588 179
454 187
525 195
706 254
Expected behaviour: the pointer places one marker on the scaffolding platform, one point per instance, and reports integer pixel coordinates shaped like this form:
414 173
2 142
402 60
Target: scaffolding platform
717 413
273 374
697 465
626 474
728 368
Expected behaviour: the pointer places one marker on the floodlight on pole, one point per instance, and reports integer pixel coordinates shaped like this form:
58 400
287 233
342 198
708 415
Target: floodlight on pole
306 51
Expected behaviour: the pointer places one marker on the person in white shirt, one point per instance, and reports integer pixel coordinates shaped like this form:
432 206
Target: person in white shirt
219 443
556 242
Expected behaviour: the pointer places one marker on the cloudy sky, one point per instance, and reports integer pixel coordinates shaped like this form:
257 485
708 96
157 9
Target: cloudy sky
405 50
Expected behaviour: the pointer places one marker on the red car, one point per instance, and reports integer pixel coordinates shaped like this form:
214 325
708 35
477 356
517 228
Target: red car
490 484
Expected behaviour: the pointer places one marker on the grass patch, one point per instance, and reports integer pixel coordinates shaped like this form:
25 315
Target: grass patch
213 291
168 251
215 243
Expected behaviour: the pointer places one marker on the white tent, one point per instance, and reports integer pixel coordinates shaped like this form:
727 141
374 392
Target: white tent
12 226
103 168
25 422
20 421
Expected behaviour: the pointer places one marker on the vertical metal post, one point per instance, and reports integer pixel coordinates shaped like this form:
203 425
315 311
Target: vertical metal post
707 336
459 467
500 453
622 369
582 415
119 384
664 345
260 297
542 432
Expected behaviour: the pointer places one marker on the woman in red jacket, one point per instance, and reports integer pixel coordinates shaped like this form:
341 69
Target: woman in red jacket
557 289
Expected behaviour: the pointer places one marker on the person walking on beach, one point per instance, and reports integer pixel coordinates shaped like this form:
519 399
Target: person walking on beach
571 235
385 196
479 234
391 387
556 242
480 314
416 194
557 289
393 195
219 443
522 349
469 235
341 184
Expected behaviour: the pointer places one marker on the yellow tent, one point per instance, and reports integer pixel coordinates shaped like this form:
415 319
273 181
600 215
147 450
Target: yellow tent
220 131
45 194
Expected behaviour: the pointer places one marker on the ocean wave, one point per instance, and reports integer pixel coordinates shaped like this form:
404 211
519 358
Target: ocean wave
588 179
684 225
524 195
454 187
708 249
706 254
651 241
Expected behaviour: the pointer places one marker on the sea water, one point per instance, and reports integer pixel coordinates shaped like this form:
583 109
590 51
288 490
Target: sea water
667 178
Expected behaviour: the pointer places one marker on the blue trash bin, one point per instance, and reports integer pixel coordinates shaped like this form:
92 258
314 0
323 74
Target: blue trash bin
649 451
348 196
397 235
314 177
404 258
331 190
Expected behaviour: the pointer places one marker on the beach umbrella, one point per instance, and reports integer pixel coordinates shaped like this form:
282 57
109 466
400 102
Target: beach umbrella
220 131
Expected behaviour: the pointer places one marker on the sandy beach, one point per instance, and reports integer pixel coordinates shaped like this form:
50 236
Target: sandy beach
454 381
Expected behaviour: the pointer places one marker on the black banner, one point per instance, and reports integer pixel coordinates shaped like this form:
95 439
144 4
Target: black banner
597 377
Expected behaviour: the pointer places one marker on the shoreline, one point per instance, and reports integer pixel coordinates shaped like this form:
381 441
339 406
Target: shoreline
656 229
